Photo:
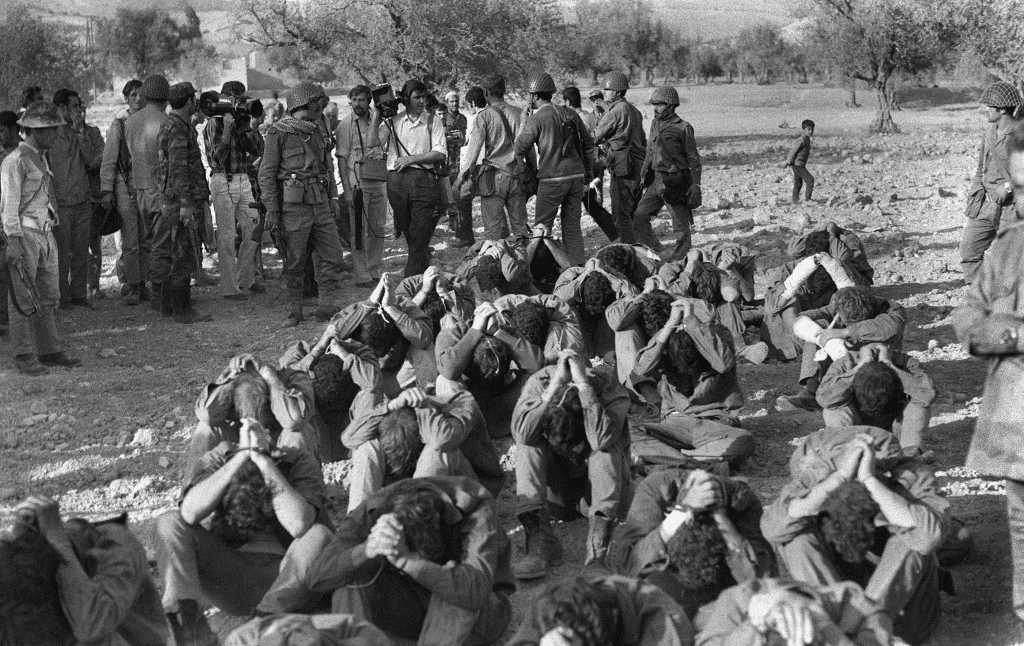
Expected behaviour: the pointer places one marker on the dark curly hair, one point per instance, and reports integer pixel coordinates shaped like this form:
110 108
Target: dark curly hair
597 294
683 362
333 388
705 283
655 310
433 307
421 514
816 242
250 397
585 607
248 502
400 442
562 425
533 322
847 521
697 552
30 603
378 333
820 282
490 365
854 304
617 258
544 269
878 395
488 274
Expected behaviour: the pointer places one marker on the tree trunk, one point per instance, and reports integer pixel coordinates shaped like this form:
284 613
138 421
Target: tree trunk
852 101
885 94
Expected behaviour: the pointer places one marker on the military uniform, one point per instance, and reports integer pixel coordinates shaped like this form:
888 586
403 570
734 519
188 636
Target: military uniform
989 200
672 155
622 130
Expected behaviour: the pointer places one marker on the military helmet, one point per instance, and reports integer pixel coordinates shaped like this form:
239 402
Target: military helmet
1001 95
41 114
155 88
616 81
541 83
302 95
667 95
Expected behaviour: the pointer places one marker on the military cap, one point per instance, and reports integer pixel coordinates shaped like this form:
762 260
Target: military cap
155 87
233 88
301 95
41 114
181 91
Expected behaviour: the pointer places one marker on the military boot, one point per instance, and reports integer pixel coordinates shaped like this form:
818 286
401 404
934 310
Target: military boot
155 300
166 299
182 303
599 536
189 627
543 549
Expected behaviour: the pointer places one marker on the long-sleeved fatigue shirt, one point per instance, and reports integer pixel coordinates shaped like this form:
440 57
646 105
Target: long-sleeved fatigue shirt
483 564
598 336
116 157
672 149
804 299
861 621
26 190
646 552
413 136
563 326
846 247
142 132
988 323
71 156
455 424
836 388
604 414
93 145
736 266
815 460
515 267
647 617
886 326
643 263
300 470
296 151
622 129
800 152
412 322
544 130
118 605
992 173
182 177
464 304
491 143
715 391
454 351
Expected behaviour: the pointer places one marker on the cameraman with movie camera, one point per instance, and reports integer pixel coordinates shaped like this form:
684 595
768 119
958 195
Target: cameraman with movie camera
231 145
416 149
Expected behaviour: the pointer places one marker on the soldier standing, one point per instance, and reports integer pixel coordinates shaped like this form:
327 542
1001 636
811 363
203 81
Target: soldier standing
298 188
671 174
621 128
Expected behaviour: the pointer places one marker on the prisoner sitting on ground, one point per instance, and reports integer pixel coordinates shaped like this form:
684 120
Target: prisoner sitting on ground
491 360
546 258
495 268
634 261
571 431
694 534
735 264
248 517
856 509
543 320
417 435
843 245
423 559
694 364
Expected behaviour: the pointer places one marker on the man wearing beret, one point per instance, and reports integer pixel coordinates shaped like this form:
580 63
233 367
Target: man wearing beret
298 188
184 191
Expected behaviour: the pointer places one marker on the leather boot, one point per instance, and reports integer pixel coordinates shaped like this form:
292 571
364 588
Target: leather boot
599 536
155 302
294 317
189 627
166 299
183 311
543 549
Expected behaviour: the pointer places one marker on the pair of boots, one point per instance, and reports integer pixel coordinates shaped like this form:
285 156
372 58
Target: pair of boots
189 626
176 301
544 549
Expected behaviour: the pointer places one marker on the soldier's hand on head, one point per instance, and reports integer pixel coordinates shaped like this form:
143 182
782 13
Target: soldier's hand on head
866 467
46 513
385 535
484 311
242 362
430 277
849 462
652 283
792 620
253 436
578 369
415 397
563 373
701 491
541 231
884 354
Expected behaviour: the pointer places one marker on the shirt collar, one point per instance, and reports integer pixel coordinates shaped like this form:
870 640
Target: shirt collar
421 118
31 147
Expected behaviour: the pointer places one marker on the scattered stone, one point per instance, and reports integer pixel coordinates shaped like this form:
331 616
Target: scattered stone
52 417
41 417
944 193
31 388
107 353
893 197
722 204
832 201
867 159
63 446
27 421
166 399
144 437
164 463
933 344
863 199
124 437
148 368
960 397
169 424
37 407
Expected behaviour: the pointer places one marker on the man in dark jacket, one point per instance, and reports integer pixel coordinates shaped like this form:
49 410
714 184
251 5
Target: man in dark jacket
622 129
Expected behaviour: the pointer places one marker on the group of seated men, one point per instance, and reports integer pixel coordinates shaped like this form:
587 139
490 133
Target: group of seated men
417 385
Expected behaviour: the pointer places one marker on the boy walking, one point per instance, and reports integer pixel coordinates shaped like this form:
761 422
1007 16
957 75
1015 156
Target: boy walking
798 162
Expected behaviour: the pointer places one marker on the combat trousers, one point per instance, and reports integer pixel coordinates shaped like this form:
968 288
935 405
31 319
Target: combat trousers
199 566
150 203
802 177
545 478
367 475
600 215
706 438
623 205
414 196
133 265
73 235
648 207
37 334
95 261
231 199
563 197
174 249
397 604
505 210
978 235
1015 515
312 227
367 262
905 583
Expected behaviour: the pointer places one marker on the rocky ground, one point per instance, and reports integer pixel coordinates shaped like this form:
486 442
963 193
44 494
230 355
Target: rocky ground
111 435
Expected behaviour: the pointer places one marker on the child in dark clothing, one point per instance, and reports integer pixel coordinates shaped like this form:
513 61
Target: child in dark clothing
798 162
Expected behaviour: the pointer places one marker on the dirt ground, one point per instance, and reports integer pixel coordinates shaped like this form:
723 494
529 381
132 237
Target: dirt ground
111 435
